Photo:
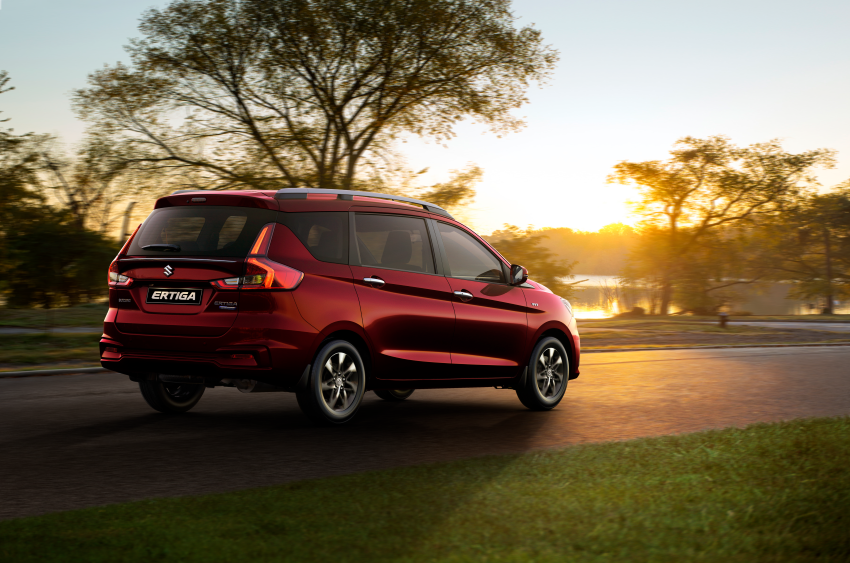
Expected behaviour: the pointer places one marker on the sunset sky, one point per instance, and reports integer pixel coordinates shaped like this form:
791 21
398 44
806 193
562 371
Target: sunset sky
634 76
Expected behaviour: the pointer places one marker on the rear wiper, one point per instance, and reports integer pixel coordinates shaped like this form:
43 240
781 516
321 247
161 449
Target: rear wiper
163 247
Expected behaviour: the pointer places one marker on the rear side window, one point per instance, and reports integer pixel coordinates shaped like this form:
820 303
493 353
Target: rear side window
394 242
324 234
200 231
467 258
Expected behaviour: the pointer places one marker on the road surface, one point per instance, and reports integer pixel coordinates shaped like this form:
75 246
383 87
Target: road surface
85 440
800 325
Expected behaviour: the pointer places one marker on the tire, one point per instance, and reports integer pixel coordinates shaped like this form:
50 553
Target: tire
547 376
171 398
336 385
394 394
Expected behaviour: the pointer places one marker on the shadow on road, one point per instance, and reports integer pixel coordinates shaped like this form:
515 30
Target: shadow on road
91 457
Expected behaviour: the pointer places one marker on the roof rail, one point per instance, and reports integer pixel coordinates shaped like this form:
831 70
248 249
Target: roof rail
301 193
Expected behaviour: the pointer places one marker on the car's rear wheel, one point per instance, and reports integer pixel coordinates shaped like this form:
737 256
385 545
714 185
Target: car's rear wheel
394 394
337 382
546 380
171 398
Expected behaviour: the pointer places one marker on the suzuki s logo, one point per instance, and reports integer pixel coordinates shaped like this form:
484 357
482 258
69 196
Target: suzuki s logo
168 271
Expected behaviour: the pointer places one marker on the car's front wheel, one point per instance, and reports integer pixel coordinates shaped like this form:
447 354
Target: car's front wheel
171 398
547 376
337 382
394 394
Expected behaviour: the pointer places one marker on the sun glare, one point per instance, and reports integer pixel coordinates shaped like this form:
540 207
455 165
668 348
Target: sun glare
592 314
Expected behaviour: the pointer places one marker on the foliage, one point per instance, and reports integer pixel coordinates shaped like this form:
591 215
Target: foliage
767 492
603 252
811 246
526 248
299 93
34 171
51 262
89 183
47 257
708 185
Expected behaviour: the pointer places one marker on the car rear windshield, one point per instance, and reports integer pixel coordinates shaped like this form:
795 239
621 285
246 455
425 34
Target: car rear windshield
200 231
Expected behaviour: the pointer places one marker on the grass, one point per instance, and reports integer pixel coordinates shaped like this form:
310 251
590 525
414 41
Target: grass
29 349
90 314
765 493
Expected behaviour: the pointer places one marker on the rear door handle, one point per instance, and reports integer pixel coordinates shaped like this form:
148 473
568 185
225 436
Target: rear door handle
377 282
464 295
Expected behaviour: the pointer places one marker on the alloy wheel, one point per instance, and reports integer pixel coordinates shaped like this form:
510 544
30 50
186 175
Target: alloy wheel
340 381
180 392
550 373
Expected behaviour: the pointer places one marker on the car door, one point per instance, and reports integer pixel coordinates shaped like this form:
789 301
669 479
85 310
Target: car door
405 303
490 315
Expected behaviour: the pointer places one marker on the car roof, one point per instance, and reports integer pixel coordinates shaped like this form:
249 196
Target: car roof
301 200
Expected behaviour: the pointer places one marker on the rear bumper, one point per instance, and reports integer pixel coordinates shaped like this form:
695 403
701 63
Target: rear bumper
244 363
273 348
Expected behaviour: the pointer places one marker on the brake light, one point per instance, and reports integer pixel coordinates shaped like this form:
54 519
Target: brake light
115 278
260 272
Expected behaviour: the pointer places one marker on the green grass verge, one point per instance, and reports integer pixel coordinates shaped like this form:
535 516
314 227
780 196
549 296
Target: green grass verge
90 314
765 493
49 347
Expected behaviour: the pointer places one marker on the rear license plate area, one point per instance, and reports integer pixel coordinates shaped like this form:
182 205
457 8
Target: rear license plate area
174 296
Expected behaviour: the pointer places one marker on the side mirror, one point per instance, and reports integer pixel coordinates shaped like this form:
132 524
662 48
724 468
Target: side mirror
519 275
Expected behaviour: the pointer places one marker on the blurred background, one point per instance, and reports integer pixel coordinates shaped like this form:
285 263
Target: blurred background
649 158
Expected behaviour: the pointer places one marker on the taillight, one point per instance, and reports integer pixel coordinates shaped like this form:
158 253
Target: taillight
118 280
261 245
260 272
114 278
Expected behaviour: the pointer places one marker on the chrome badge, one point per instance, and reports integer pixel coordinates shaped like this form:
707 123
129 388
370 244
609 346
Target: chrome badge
168 271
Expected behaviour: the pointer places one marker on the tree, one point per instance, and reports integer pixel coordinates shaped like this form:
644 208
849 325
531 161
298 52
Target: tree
602 252
526 247
811 246
308 93
90 182
18 168
47 259
709 184
53 263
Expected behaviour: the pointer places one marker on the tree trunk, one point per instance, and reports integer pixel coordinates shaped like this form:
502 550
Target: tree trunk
666 297
827 310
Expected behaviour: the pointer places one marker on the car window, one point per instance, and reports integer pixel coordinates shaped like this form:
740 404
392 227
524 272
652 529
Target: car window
200 231
467 258
394 242
325 234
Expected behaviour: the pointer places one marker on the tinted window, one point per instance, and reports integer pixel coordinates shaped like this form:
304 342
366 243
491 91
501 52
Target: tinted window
468 258
390 241
324 234
201 231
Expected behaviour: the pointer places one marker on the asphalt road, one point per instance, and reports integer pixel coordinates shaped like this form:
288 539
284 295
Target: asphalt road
74 441
800 325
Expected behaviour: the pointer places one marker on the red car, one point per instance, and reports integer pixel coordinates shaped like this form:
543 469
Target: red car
327 294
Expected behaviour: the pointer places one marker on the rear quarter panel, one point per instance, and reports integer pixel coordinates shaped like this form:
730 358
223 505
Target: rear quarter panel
326 297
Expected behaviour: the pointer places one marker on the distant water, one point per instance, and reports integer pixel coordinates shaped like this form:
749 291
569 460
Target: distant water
600 297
